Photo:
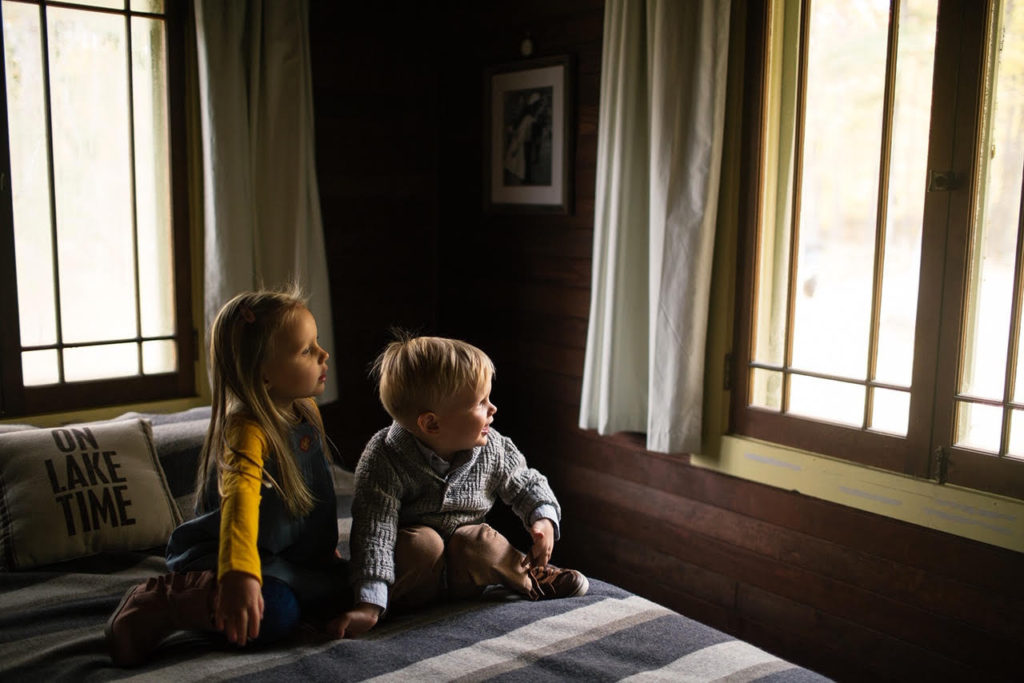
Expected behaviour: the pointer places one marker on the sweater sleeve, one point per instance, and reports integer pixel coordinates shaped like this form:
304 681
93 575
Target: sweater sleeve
375 509
240 503
523 488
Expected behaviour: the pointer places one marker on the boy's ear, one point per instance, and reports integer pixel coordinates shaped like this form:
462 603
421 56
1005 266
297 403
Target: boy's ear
428 423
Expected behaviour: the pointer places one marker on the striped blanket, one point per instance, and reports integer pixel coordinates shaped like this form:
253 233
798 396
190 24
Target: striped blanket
51 628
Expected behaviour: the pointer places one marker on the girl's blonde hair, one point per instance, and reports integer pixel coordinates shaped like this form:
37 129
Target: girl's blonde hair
418 374
241 339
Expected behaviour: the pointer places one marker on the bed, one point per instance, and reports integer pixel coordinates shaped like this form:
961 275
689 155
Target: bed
52 618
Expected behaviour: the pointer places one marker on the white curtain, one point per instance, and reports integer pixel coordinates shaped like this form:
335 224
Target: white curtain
261 203
663 81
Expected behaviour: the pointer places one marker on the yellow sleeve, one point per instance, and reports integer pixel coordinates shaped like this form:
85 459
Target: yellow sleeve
240 502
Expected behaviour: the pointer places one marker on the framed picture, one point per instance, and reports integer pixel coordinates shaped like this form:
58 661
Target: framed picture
528 131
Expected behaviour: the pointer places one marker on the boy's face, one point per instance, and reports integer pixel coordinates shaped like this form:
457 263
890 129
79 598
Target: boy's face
464 421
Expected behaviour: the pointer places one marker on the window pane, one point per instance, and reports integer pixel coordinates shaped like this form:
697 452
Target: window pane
1007 149
766 389
846 69
92 178
39 367
978 426
98 362
990 292
159 356
890 411
152 181
827 400
30 179
905 206
1016 447
155 6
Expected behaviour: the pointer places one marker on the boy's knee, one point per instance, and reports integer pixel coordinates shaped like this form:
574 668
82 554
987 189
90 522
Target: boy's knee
421 542
473 539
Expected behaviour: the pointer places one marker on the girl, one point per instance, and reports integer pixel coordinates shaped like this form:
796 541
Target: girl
261 550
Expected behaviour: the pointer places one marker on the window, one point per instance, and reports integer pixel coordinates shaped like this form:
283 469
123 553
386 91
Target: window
881 281
94 292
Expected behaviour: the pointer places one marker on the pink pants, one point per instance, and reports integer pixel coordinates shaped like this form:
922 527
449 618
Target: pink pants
476 556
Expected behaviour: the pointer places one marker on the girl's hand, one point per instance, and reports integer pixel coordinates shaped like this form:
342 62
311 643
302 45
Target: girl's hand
354 622
543 533
239 607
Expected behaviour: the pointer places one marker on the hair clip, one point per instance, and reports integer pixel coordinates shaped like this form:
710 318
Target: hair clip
248 315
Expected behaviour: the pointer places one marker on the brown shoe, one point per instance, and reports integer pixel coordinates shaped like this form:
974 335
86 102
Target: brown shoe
550 582
151 611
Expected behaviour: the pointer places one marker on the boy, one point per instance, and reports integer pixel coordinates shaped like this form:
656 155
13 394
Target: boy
424 485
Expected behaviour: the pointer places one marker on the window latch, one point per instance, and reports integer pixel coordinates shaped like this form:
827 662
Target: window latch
942 181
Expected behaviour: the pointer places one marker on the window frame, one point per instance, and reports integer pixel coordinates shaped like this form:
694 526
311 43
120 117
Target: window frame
18 400
926 451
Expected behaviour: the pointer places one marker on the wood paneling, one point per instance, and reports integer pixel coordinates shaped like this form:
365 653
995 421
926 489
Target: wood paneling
853 595
375 94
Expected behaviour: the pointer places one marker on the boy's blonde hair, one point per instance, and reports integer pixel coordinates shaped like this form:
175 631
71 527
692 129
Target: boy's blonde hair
418 374
241 339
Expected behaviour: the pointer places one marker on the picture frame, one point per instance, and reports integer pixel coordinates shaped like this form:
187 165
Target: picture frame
528 136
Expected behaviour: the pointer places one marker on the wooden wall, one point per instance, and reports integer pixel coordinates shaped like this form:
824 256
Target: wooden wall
399 122
375 99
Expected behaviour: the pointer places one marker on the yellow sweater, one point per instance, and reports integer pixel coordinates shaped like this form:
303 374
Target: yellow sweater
240 502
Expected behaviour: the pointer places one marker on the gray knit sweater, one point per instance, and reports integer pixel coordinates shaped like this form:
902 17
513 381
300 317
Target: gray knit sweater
396 487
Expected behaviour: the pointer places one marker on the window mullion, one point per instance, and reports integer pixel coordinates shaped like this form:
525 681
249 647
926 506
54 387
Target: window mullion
794 235
45 56
883 205
132 183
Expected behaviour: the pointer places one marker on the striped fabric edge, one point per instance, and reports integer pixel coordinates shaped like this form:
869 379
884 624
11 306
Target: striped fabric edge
484 659
523 646
218 666
732 661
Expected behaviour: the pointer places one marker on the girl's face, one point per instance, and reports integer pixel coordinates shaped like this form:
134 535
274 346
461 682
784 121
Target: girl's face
296 366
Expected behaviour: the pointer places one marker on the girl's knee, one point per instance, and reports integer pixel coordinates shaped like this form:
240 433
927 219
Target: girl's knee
281 613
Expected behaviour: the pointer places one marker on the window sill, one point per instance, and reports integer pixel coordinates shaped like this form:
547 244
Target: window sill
977 515
106 413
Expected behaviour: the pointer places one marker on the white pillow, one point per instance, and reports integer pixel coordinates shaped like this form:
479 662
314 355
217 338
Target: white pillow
79 490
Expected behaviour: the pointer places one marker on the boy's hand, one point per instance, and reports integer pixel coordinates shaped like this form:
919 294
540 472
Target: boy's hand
354 622
543 533
239 607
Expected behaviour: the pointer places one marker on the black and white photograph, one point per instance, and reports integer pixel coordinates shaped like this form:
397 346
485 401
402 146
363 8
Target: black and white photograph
528 122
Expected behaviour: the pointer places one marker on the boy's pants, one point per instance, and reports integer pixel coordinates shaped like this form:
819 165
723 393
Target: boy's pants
476 556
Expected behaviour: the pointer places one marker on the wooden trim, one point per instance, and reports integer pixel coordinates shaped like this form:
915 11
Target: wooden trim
966 468
986 472
78 395
752 165
849 443
10 340
177 13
